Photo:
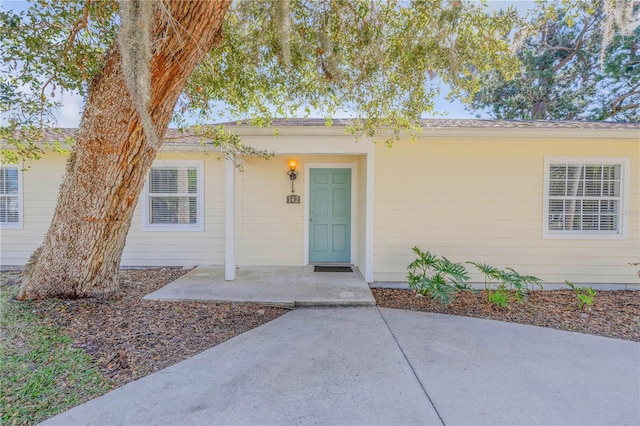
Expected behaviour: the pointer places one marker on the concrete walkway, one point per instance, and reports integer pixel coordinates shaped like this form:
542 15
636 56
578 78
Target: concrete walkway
270 285
356 366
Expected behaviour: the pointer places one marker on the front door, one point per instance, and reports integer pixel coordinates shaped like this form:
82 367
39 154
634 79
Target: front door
330 216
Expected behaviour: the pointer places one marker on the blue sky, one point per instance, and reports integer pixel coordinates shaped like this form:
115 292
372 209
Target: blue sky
70 112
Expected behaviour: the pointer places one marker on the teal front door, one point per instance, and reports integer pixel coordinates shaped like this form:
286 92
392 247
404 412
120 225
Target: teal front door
330 216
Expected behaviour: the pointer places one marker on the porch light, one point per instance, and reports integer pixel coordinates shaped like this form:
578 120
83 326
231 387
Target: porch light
292 173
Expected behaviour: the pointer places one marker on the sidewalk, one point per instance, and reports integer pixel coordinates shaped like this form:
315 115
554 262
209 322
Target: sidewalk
365 365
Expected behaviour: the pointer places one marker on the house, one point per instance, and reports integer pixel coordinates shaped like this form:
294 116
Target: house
559 200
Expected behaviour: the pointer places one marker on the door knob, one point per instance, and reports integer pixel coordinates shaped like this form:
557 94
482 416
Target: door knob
311 220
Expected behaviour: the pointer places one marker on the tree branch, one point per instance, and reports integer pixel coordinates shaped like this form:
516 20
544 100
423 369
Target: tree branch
82 23
578 44
616 105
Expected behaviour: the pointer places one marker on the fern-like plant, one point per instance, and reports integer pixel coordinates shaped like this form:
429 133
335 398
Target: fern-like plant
522 284
508 279
499 297
585 295
436 276
490 274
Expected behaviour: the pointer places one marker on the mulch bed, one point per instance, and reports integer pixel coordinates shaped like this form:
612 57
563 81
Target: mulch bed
130 338
613 313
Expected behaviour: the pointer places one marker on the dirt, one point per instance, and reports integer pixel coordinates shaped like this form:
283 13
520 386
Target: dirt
130 338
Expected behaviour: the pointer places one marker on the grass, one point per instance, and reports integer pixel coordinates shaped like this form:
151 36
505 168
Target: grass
41 373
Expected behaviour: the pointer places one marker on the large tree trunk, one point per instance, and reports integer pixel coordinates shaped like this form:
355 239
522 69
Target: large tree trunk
81 252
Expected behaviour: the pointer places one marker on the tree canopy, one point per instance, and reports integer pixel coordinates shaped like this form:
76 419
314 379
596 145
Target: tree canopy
378 59
383 60
575 65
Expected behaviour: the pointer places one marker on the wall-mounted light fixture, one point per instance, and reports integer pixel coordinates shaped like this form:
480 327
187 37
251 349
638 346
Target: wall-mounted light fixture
292 173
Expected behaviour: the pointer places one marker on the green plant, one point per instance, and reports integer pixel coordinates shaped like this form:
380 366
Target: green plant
437 277
500 297
490 274
41 373
508 279
585 295
522 284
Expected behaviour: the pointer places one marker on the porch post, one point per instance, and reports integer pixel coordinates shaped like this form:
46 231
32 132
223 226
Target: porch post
229 221
369 217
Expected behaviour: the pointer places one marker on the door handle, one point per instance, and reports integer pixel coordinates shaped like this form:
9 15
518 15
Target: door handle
311 220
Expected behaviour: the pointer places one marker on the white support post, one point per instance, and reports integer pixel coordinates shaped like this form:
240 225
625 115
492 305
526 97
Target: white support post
369 228
229 221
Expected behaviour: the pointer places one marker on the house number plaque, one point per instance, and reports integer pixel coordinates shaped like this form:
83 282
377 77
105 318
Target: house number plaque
293 199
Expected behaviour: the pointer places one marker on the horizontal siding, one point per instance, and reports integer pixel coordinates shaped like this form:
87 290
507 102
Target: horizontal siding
175 248
40 184
477 199
268 230
143 248
482 200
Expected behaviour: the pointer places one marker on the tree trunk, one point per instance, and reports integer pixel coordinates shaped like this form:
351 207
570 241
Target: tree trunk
81 252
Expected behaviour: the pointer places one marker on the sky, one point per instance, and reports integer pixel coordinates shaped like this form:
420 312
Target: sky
69 114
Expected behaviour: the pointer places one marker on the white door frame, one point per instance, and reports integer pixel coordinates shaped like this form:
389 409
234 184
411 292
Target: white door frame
307 192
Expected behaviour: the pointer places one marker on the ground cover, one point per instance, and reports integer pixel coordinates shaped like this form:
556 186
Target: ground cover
41 372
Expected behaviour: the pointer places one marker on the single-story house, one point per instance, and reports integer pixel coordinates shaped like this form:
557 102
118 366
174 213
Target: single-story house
559 200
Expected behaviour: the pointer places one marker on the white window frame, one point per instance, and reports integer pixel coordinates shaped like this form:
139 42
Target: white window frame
175 227
19 223
622 231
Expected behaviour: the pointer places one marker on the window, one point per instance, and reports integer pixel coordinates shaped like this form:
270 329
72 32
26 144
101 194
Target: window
584 198
173 197
10 197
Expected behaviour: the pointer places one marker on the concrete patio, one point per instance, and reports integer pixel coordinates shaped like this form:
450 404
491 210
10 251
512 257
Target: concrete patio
287 286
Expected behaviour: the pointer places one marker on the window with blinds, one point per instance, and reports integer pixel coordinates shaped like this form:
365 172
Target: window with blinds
584 197
173 197
10 196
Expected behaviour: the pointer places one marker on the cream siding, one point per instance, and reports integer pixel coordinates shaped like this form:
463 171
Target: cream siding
481 199
183 248
454 193
268 230
143 248
40 190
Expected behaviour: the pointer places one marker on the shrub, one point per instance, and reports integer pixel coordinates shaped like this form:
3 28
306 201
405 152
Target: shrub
437 277
441 279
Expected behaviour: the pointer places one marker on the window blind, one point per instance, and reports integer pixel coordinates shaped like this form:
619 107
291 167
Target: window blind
173 195
584 197
9 195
